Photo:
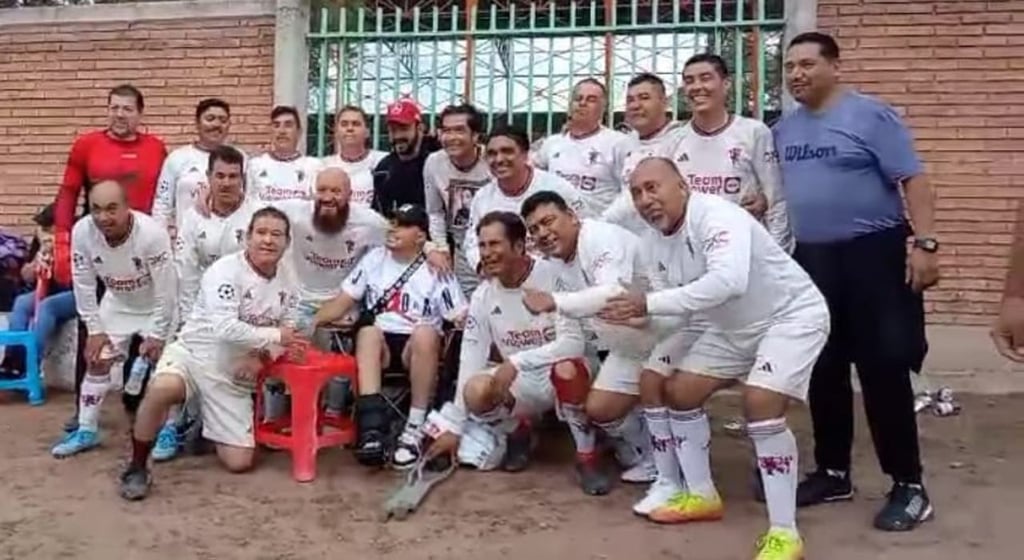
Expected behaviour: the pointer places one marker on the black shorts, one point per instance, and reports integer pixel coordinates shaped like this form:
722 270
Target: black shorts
395 344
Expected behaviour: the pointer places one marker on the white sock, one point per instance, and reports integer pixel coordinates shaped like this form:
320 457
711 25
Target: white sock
90 401
632 443
663 446
777 460
579 425
417 416
692 433
173 414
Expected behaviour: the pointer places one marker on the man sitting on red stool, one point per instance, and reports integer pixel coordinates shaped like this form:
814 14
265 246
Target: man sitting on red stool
243 314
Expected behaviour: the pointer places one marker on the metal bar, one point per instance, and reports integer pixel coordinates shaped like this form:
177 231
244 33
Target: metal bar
609 58
471 33
395 51
718 27
360 31
623 29
490 82
529 76
321 106
455 65
761 63
435 20
376 83
551 68
739 92
676 68
510 68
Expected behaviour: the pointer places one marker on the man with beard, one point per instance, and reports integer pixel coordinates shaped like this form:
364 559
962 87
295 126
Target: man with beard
130 253
763 324
183 177
244 315
587 154
352 154
599 260
452 177
654 134
283 173
508 156
398 178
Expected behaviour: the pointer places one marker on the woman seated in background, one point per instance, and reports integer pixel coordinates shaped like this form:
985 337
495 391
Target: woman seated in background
57 306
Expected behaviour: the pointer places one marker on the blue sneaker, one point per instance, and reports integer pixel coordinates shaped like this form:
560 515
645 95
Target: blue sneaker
76 442
166 446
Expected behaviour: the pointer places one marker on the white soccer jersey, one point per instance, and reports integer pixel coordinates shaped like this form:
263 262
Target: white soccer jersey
592 164
321 261
497 316
238 310
608 261
739 160
360 173
491 198
203 240
270 180
138 275
662 143
181 178
425 298
449 197
722 265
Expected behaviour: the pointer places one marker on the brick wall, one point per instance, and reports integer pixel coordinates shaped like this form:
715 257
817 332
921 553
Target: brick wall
54 80
955 70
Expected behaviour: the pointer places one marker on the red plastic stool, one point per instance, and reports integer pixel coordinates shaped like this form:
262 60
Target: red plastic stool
303 434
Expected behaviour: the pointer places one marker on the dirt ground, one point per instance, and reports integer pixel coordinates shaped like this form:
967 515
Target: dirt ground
70 509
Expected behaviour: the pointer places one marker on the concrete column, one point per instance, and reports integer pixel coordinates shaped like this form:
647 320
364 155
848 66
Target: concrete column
291 55
801 16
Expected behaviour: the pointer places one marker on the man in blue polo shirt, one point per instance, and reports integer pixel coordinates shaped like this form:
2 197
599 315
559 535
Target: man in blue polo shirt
847 164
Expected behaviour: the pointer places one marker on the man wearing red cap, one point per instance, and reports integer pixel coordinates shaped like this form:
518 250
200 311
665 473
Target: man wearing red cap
398 178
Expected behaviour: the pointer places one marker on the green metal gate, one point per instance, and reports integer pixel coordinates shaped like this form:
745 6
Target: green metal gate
518 61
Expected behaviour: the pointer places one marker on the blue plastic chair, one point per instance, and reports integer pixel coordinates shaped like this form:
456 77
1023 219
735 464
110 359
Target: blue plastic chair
32 382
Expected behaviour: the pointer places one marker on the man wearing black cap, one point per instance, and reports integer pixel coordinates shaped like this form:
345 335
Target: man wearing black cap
407 302
57 305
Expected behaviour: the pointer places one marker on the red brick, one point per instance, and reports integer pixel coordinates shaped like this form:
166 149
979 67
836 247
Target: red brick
967 120
54 80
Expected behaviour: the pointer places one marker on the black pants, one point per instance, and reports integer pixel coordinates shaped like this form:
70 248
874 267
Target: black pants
878 326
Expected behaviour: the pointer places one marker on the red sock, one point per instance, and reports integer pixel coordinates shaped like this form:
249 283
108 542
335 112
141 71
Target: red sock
140 452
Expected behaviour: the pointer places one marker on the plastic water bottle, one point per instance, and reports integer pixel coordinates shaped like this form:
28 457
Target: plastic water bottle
140 367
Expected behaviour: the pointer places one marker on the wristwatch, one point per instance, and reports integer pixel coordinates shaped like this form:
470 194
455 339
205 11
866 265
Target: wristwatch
926 244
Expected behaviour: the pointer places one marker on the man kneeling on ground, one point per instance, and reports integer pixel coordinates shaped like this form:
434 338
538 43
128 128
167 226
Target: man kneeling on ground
488 421
400 329
243 315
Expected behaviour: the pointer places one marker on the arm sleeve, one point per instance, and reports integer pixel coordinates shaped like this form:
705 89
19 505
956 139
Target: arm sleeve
84 282
473 354
354 284
725 241
448 298
221 299
469 242
435 206
161 268
769 178
539 157
609 271
71 186
187 260
163 205
573 198
568 343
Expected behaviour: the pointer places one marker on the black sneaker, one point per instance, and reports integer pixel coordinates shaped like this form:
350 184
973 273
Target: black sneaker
822 487
908 506
135 482
592 478
517 451
370 450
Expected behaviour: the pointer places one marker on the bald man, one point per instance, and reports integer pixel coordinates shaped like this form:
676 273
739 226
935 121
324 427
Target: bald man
763 324
131 254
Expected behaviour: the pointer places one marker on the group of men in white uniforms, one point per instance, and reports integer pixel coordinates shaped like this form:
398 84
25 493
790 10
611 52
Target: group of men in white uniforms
632 250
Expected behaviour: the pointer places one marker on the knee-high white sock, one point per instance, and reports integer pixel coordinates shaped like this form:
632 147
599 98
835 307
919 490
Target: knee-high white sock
629 434
663 446
692 433
579 425
94 389
173 415
777 460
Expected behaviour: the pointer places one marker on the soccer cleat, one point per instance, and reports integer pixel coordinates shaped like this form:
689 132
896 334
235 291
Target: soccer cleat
166 446
643 472
780 544
822 487
78 441
135 482
658 495
518 448
687 507
409 448
907 507
592 478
